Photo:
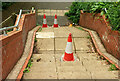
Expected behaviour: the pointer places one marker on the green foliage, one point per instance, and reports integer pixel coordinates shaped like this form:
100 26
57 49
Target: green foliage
80 28
37 24
39 30
35 40
26 70
9 30
88 37
110 9
28 66
74 12
6 4
112 67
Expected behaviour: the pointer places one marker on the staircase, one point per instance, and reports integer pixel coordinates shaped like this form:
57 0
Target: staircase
49 48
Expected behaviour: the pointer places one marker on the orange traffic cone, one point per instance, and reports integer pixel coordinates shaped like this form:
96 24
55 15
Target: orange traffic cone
68 56
44 22
55 21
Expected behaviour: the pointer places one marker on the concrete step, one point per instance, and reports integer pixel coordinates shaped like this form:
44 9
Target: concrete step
43 67
43 58
40 75
82 44
43 64
75 75
71 69
87 56
45 44
77 33
104 75
75 63
60 43
47 64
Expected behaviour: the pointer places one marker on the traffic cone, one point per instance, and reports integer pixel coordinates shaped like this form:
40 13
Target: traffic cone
44 22
70 25
55 21
68 56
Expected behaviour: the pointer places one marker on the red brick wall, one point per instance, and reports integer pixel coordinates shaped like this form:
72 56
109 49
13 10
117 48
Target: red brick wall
110 38
13 44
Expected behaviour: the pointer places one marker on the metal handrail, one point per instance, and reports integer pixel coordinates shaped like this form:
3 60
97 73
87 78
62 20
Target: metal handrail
7 19
16 26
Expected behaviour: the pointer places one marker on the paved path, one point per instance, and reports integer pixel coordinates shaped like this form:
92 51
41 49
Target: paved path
49 49
50 15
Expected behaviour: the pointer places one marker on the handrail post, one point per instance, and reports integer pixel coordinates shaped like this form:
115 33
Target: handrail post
4 30
5 34
32 9
18 19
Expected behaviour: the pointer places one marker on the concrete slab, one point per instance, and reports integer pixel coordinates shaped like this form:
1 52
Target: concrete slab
107 80
75 63
94 65
81 44
49 29
87 56
60 44
61 32
37 51
43 58
64 75
77 33
45 44
43 64
59 51
81 75
103 75
44 34
40 75
43 67
71 69
74 75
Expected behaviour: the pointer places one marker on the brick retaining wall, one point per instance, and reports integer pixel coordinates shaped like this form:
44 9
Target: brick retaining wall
110 38
13 44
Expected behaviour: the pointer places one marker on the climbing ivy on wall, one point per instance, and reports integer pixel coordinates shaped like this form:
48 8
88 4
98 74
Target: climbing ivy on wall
110 9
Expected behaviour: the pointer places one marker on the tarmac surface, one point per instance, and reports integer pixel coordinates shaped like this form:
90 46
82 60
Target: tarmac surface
50 47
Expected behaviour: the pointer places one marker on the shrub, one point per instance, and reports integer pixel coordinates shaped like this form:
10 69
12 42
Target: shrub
110 9
6 4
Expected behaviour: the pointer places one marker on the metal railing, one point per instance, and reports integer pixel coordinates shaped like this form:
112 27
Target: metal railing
16 26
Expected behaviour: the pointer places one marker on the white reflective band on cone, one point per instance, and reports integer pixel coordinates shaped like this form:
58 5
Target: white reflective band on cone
69 49
55 21
44 21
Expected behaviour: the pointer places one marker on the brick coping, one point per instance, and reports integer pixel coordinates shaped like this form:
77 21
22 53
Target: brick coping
18 69
106 55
